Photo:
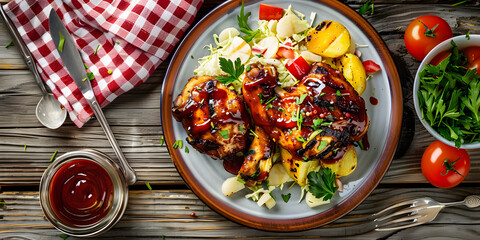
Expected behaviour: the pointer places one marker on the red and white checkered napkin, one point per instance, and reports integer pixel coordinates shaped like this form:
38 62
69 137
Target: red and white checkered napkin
121 42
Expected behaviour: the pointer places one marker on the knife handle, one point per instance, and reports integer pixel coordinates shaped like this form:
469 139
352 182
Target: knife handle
128 171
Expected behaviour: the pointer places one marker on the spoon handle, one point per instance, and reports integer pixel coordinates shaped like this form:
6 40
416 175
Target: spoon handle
17 39
472 201
126 169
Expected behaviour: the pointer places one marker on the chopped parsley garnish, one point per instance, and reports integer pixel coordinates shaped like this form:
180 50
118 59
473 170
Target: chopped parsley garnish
300 138
364 9
298 117
85 65
243 25
256 173
90 76
253 133
109 71
25 147
271 100
148 186
61 42
64 236
54 155
459 3
240 180
468 35
241 128
187 150
268 106
299 100
96 49
178 144
248 68
84 79
322 183
162 140
322 145
9 44
317 122
233 69
339 93
360 144
224 134
260 95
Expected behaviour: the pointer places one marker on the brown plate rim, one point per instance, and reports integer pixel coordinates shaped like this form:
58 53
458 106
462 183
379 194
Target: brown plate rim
285 225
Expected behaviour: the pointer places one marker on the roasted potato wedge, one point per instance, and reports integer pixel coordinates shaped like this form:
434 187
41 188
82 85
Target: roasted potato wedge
329 39
346 165
353 71
297 169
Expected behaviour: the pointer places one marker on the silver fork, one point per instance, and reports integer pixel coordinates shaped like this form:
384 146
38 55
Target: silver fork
419 211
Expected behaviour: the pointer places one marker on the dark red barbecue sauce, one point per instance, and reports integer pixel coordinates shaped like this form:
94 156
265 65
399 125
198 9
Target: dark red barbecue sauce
328 100
81 193
199 110
373 100
233 165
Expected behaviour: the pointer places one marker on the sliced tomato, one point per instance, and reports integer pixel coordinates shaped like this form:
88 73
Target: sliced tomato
472 53
284 52
298 67
439 58
370 66
269 12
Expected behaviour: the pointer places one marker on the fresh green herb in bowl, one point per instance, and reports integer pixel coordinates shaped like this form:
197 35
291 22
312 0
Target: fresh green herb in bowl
447 94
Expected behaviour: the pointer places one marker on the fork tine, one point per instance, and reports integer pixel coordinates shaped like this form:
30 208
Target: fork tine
398 227
408 202
403 211
403 219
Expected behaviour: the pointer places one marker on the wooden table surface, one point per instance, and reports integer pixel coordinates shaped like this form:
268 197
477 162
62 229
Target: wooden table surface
166 210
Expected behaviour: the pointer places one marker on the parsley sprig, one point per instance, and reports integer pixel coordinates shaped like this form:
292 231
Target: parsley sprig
233 69
243 25
322 183
449 98
366 8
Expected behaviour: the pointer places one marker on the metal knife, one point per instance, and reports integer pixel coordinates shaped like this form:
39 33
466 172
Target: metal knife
74 63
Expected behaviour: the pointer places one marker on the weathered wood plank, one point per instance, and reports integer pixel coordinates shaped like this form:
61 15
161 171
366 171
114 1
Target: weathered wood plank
156 213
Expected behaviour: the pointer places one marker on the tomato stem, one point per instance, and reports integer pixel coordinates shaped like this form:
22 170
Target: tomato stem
429 32
449 166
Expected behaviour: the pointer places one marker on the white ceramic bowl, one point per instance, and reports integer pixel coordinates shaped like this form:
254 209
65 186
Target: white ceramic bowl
461 42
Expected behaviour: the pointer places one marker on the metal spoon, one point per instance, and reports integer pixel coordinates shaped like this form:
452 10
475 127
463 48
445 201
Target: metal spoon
50 113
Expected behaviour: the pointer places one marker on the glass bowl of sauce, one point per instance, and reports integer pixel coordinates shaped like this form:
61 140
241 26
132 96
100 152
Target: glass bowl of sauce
83 193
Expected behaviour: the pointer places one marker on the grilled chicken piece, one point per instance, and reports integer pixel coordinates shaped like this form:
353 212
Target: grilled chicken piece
213 116
258 161
315 119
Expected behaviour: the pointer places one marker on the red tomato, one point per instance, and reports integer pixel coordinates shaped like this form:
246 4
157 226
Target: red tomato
298 68
439 58
284 52
475 65
269 12
472 53
445 166
419 40
370 66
